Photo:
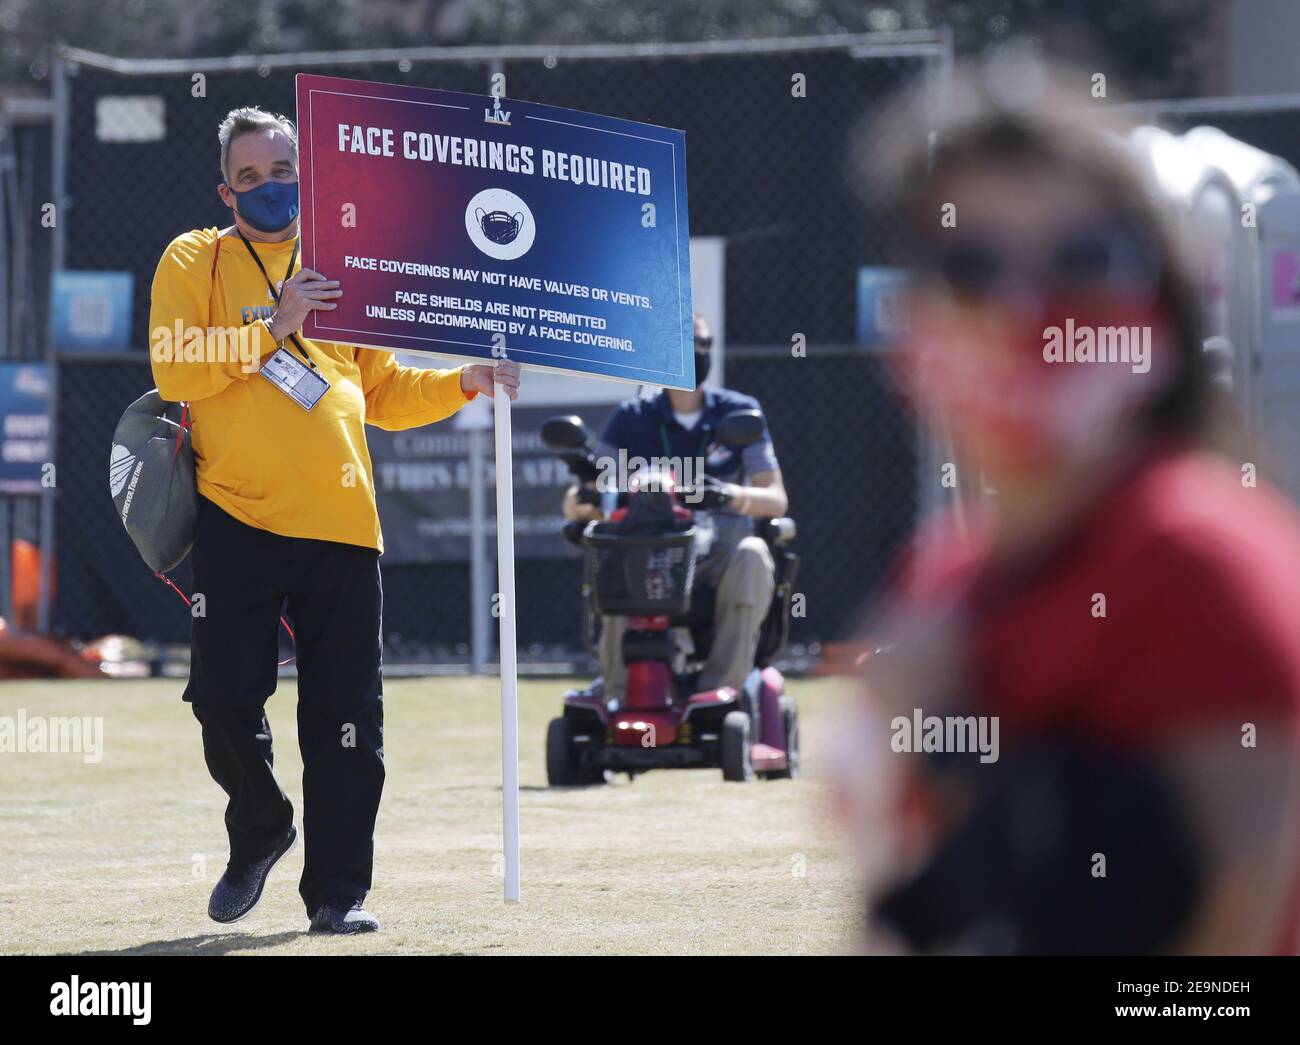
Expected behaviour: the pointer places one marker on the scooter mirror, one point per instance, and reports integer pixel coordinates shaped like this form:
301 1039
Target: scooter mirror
565 433
743 428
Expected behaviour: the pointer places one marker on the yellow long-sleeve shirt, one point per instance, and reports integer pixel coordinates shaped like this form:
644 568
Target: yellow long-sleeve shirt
259 455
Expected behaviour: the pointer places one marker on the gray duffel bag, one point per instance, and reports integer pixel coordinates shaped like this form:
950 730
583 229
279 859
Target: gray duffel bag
151 478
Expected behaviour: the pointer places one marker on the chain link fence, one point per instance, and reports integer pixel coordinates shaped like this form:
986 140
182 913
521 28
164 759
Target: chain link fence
25 242
768 127
25 255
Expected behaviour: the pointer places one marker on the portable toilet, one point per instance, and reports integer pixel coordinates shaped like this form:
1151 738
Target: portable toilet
1241 208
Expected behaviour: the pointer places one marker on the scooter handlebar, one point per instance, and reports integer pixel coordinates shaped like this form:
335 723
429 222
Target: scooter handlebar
592 497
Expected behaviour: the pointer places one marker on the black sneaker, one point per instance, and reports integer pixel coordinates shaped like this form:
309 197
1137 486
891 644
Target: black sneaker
343 919
239 890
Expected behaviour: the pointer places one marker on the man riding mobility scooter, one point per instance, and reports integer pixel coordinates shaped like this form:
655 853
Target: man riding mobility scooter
640 563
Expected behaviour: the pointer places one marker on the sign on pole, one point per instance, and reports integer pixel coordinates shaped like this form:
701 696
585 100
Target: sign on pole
486 228
460 223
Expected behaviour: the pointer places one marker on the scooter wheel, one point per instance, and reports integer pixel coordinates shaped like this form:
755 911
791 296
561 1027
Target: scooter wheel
561 765
790 722
734 748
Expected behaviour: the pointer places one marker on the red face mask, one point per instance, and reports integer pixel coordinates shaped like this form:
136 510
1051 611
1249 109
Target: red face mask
1069 372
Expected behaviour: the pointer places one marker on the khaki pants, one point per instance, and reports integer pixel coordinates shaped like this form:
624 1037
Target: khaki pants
744 580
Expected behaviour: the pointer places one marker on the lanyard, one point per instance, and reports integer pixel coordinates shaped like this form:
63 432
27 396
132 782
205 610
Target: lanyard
663 440
271 286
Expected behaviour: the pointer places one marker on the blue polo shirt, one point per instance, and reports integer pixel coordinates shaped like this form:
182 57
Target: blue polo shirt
645 427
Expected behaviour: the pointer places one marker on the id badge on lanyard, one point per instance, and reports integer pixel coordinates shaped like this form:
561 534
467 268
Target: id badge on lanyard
300 381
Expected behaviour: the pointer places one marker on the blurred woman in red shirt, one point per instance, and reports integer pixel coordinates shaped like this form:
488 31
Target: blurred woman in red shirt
1083 717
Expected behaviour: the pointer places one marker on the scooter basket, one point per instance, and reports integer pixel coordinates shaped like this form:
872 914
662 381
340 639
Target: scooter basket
634 576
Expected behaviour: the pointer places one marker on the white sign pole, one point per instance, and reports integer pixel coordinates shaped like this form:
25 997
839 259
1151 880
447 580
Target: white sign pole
474 420
509 667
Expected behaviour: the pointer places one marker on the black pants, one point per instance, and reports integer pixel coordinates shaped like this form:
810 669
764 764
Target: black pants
332 597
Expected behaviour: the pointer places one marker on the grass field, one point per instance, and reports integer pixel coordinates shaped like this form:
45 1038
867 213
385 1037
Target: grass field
120 856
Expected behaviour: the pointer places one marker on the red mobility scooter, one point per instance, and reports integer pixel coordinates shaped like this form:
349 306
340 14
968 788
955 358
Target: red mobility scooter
640 563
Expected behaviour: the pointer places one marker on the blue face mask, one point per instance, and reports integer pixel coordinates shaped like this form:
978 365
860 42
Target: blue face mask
270 207
702 361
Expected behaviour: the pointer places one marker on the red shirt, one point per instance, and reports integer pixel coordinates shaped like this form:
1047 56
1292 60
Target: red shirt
1201 581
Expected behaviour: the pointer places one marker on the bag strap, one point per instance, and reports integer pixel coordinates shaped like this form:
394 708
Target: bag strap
212 285
185 425
190 602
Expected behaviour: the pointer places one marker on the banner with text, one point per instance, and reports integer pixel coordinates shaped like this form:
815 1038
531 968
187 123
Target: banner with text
24 426
422 480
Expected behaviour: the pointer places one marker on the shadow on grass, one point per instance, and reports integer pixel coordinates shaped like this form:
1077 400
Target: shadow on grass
215 943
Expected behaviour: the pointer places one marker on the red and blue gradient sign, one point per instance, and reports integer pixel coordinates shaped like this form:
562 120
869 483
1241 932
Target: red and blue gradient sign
458 224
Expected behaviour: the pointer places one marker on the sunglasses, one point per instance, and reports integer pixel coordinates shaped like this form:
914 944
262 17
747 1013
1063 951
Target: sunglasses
978 267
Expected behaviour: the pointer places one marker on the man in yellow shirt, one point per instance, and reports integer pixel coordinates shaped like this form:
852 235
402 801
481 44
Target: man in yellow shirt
287 523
